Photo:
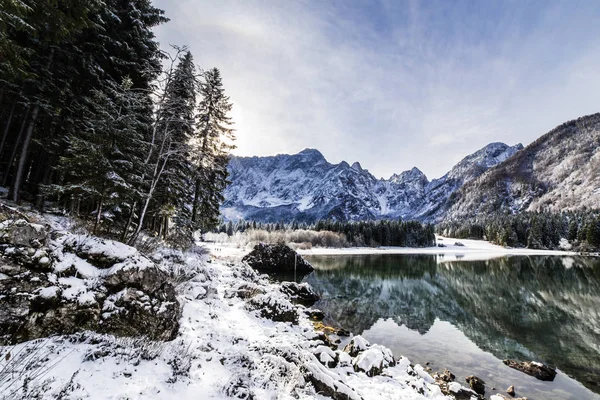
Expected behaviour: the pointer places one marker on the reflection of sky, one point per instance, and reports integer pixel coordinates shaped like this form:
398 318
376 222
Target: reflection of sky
445 346
394 83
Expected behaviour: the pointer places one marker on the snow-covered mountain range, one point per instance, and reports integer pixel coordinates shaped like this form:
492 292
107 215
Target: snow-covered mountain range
305 187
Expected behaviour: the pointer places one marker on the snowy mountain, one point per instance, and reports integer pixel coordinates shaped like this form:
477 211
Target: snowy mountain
559 171
306 187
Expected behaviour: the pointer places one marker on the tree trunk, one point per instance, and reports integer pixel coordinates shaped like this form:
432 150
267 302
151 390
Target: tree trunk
14 150
166 229
98 214
195 204
129 221
16 186
8 124
40 199
158 171
160 228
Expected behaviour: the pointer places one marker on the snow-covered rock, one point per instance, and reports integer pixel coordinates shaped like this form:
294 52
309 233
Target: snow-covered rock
79 282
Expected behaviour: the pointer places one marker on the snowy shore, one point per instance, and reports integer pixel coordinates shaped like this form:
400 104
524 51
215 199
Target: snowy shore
240 336
454 249
451 246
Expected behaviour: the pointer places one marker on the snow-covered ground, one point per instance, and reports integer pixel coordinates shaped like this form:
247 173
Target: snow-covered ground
225 348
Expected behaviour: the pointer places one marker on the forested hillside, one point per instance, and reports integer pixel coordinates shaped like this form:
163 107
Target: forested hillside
559 171
97 120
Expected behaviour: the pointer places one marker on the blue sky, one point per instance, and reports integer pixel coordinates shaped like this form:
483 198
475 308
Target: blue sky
390 83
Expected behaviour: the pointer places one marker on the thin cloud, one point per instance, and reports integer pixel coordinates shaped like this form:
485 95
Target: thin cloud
394 84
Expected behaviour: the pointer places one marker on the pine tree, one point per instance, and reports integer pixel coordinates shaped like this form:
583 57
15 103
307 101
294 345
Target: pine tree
176 117
215 142
104 159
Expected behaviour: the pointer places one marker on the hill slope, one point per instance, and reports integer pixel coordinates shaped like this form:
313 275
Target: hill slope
559 171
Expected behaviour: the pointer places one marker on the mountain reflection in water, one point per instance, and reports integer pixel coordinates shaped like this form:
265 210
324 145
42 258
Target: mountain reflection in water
543 308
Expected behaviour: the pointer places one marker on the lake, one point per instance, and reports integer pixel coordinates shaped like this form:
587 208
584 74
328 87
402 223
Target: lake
468 316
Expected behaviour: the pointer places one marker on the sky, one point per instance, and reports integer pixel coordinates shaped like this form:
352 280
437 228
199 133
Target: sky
390 83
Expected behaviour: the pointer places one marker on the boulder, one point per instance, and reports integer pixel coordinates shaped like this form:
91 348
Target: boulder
300 293
276 258
274 308
458 392
57 289
133 312
23 233
374 360
476 384
533 368
356 345
499 396
328 383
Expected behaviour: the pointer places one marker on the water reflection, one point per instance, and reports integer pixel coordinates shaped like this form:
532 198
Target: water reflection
528 308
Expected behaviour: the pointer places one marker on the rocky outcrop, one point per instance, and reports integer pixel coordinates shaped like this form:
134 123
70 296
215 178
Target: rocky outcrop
276 258
57 283
533 368
274 308
327 382
300 293
445 380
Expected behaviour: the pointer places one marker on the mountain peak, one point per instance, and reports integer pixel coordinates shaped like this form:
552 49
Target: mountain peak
412 174
357 167
312 153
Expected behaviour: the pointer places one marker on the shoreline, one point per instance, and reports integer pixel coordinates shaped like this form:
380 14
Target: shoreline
470 250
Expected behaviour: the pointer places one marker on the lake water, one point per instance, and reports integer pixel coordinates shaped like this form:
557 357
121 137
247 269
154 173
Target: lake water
468 316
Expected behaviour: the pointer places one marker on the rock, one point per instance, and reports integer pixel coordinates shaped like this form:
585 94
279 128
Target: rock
41 294
533 368
148 279
342 332
248 290
133 312
356 345
458 392
477 384
453 389
300 293
326 356
23 233
328 383
511 390
499 396
276 258
273 308
314 314
447 376
374 360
